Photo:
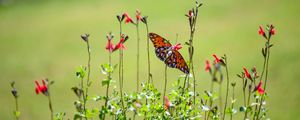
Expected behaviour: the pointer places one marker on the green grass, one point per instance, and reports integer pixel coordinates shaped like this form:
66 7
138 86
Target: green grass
42 39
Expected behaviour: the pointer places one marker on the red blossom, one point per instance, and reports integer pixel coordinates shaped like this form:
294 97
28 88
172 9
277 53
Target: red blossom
272 30
120 45
167 103
217 60
190 14
262 32
138 15
128 19
207 66
255 74
41 89
109 46
247 74
259 88
177 46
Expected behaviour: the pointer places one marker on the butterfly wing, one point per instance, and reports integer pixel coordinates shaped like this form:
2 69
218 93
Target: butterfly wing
164 52
161 46
175 60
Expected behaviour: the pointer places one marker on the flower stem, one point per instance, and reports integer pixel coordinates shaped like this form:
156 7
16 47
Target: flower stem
107 87
232 104
165 88
227 86
50 106
266 77
148 54
137 58
88 78
121 72
17 107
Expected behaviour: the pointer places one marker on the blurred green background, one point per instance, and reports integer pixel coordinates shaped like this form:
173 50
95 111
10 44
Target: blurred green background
40 39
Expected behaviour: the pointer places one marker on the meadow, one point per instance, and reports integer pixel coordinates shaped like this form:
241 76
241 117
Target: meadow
41 39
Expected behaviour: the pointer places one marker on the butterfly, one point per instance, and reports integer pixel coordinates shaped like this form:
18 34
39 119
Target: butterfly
171 57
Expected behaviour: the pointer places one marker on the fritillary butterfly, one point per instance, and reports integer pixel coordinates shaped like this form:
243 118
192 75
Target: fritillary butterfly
164 51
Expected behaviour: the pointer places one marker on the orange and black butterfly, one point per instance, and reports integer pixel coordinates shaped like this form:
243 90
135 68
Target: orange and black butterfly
164 51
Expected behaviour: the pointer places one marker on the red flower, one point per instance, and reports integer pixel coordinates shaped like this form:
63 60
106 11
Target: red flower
109 46
247 74
41 89
190 14
272 30
177 46
259 89
255 74
217 60
127 18
262 32
138 15
207 66
167 103
120 45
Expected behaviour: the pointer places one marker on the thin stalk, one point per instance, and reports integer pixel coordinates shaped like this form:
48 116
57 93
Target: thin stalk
17 107
88 77
248 102
107 87
165 88
148 53
50 106
232 104
227 87
137 58
149 72
266 77
220 101
244 96
121 71
261 76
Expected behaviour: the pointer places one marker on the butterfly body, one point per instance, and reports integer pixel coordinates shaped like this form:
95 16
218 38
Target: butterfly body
171 57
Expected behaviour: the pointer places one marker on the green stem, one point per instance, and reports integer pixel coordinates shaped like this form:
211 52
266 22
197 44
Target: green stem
88 78
17 107
266 78
107 87
227 87
138 58
232 104
148 53
50 106
165 88
121 72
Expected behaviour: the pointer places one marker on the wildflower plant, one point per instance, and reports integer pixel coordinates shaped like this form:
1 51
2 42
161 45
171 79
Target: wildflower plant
181 101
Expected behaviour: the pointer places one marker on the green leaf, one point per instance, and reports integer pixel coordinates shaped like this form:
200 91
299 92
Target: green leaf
105 82
17 113
107 68
81 72
59 116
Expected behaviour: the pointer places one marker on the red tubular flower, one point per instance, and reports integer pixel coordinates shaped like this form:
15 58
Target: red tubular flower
41 89
127 18
177 46
272 30
109 46
259 88
190 14
255 74
217 60
167 103
120 45
262 32
247 74
207 66
138 15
